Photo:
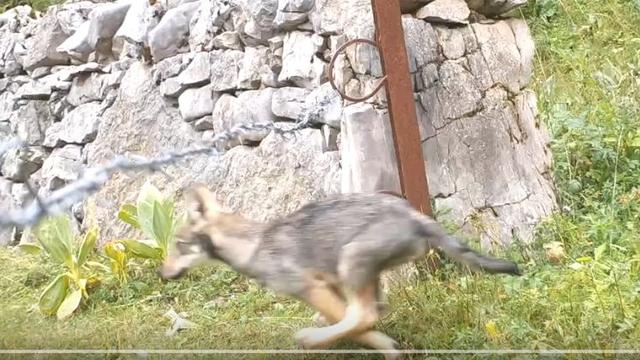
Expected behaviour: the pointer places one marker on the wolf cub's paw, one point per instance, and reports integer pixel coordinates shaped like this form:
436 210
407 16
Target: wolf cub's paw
394 355
319 320
305 338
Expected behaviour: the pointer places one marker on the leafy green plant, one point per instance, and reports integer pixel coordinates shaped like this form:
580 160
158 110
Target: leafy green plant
64 294
153 214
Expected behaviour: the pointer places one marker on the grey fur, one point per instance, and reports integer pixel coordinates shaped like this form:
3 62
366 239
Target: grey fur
350 237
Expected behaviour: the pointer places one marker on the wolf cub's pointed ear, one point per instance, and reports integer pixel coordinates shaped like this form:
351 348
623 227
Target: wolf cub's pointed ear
201 202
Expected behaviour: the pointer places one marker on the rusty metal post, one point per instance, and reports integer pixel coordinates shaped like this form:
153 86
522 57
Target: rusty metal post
402 111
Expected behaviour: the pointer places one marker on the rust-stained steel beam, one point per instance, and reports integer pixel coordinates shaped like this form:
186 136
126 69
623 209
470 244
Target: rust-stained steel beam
402 111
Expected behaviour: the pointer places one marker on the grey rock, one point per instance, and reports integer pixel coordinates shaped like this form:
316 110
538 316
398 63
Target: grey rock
329 138
292 13
34 90
88 87
40 72
68 73
61 167
258 105
457 91
422 43
95 34
148 126
289 20
289 102
19 164
10 52
269 78
277 177
7 105
280 175
171 88
140 19
226 113
300 65
20 194
249 107
296 5
452 41
225 65
526 46
445 11
79 126
41 49
249 73
342 72
4 84
198 102
227 40
72 15
198 73
15 18
203 124
494 7
210 17
367 154
259 26
31 121
331 17
327 103
276 42
170 36
500 54
170 67
480 161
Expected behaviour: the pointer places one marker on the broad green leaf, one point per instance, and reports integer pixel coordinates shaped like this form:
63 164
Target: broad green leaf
599 251
32 249
70 304
54 294
142 250
162 225
148 197
88 244
129 214
54 234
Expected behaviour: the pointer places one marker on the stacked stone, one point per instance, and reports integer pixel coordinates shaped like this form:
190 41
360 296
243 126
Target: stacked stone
88 81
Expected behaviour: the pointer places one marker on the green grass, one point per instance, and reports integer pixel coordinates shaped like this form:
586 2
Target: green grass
587 78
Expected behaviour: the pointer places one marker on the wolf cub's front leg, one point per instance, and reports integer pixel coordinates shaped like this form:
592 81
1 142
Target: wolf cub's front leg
333 308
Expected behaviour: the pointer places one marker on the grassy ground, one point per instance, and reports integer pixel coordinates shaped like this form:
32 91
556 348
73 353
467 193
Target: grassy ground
588 81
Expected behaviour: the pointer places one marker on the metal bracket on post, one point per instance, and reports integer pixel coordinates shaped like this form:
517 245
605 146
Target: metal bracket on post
402 112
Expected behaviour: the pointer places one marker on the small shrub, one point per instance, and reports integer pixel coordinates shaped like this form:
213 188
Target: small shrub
154 215
63 295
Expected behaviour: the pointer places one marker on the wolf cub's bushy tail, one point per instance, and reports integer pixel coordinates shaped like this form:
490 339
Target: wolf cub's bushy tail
460 252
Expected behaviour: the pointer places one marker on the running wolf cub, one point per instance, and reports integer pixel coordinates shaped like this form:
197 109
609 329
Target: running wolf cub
329 253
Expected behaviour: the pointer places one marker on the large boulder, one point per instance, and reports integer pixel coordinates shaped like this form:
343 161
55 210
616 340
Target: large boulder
281 174
41 49
478 128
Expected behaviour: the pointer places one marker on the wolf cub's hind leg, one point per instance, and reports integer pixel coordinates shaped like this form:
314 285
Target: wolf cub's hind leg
332 306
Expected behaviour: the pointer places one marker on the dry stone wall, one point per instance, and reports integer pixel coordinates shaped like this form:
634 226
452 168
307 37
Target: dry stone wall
87 81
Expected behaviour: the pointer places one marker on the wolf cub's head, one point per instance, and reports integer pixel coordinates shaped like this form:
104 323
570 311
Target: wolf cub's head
195 240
